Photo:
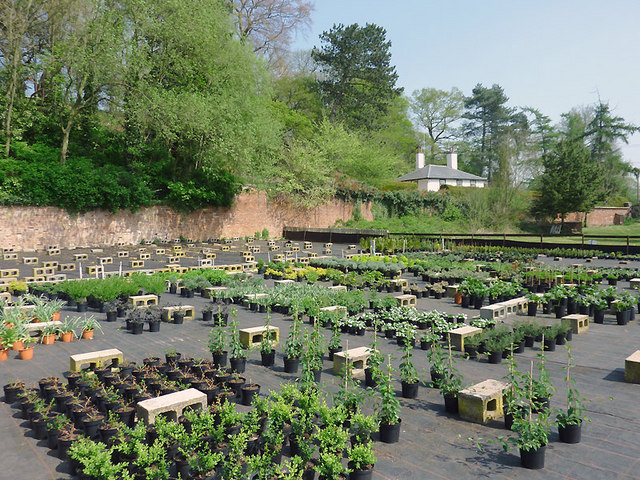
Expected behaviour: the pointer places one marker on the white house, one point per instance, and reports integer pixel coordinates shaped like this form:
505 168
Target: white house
432 177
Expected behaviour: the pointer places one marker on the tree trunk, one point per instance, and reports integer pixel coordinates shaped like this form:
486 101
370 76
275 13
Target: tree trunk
66 131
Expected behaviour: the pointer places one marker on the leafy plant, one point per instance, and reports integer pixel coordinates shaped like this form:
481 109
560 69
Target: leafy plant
362 457
389 410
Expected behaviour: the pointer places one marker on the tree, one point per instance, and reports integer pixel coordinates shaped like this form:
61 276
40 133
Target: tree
571 180
603 133
271 24
359 81
17 19
487 118
437 111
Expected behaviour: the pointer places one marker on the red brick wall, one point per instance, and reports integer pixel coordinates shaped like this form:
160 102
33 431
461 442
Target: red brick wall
37 227
600 216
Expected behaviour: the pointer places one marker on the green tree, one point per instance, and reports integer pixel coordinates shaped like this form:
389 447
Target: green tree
571 180
437 111
487 118
358 80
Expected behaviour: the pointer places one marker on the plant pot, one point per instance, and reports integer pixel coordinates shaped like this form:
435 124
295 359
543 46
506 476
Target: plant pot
332 351
561 339
82 307
570 433
561 311
549 344
268 359
26 353
477 302
361 474
11 393
471 351
529 341
91 427
532 309
17 345
219 359
112 315
464 301
178 318
369 381
4 354
451 404
598 316
390 433
532 459
238 364
154 326
410 390
87 335
248 392
207 316
291 365
495 357
137 328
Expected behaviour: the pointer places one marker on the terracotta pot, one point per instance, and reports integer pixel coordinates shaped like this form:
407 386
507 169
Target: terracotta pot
67 337
48 339
17 345
87 335
55 317
4 354
26 353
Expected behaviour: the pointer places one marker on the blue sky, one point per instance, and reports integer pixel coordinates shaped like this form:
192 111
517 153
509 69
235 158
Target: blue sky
549 54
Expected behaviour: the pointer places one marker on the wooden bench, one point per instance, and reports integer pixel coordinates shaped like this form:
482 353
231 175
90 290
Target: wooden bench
458 335
578 323
172 405
483 401
252 336
167 312
356 357
96 359
406 300
136 301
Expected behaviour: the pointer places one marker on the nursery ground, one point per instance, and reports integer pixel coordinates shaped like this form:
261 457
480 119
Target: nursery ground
432 443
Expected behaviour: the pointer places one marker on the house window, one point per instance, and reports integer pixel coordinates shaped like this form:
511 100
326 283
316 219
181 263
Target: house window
443 181
472 183
459 183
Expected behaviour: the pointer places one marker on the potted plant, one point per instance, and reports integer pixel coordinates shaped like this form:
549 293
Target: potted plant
26 352
217 343
68 329
361 461
49 334
599 307
532 303
437 367
450 384
569 421
408 373
266 348
389 410
330 467
293 347
87 326
238 358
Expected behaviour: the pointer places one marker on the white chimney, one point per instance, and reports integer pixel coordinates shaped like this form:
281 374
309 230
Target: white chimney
452 159
419 159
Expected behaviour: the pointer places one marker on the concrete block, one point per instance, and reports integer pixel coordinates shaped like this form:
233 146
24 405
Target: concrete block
10 256
53 265
171 405
123 254
94 269
497 312
225 248
274 248
66 267
145 256
53 251
39 326
634 283
406 300
482 402
188 310
209 256
308 245
80 256
458 335
99 358
30 260
177 248
338 288
136 301
578 323
250 337
9 273
632 368
160 251
174 260
105 260
356 357
136 263
204 262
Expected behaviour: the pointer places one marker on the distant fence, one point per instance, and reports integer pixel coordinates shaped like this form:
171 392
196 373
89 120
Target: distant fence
337 235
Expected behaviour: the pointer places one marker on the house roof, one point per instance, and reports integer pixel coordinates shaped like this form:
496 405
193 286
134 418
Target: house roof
437 172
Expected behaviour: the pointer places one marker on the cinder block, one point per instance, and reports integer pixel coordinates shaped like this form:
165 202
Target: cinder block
250 337
99 358
136 263
632 368
53 251
160 251
578 323
94 269
406 300
188 310
106 260
171 405
30 260
80 256
482 402
10 256
53 265
123 254
356 357
143 300
145 256
66 267
458 335
9 272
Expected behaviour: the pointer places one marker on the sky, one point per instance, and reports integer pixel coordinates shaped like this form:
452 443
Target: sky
552 55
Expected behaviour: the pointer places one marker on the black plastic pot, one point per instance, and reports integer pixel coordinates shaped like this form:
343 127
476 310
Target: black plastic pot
137 328
532 459
471 351
207 316
268 359
561 311
528 341
248 392
112 315
532 309
390 433
451 404
219 359
410 390
332 351
178 318
570 433
238 364
549 344
361 474
495 357
598 316
369 381
291 365
154 326
82 307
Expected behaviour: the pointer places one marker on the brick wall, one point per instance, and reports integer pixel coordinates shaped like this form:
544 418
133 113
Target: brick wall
37 227
600 216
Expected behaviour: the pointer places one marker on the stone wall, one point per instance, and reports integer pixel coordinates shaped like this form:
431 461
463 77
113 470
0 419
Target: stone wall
28 228
600 216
